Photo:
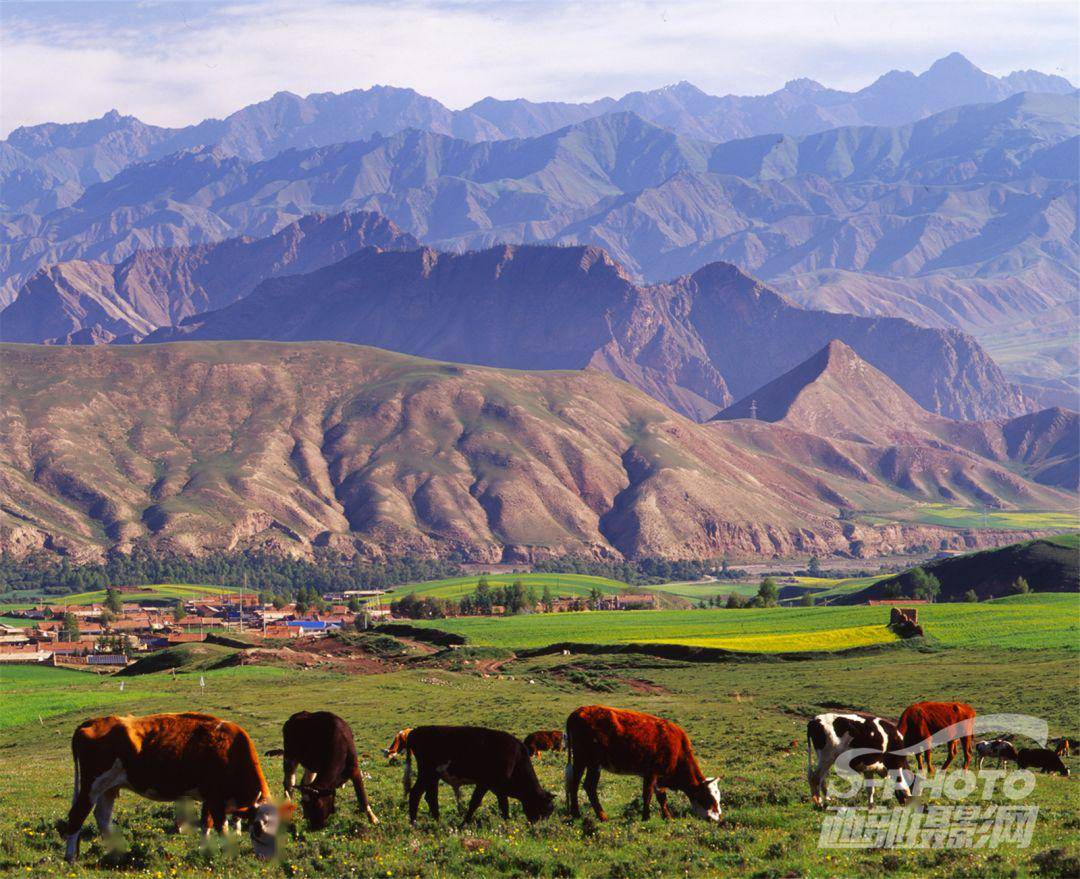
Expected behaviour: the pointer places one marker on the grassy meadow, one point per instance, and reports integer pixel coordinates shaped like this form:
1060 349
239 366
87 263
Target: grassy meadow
739 715
159 592
966 517
561 585
1039 620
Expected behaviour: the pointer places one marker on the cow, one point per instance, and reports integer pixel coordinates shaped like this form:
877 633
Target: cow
1041 758
873 742
167 757
543 740
921 721
631 743
397 749
1064 746
488 758
323 744
995 749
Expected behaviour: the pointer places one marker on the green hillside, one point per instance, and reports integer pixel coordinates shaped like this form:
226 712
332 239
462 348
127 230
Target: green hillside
1048 565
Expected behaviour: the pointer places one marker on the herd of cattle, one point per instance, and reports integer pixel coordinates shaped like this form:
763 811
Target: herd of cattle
169 757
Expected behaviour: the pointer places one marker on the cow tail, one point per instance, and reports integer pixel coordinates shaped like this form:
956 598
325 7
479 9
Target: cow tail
809 753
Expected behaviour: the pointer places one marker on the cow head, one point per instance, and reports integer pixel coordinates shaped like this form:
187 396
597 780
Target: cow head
318 804
265 820
539 806
705 799
397 746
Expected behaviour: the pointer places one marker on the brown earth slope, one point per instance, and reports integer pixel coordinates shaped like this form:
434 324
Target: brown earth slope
202 446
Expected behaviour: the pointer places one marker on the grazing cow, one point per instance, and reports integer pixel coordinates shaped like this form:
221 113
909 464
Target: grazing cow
544 740
995 749
397 749
875 742
632 743
490 759
167 757
1041 758
922 720
1064 746
323 744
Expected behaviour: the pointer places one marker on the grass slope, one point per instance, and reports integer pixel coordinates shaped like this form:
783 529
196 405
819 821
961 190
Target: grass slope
568 585
158 592
738 715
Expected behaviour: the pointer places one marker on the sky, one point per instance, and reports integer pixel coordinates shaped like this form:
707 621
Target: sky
175 63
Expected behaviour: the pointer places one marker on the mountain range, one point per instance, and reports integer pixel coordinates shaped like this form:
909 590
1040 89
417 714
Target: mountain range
965 219
199 446
48 166
691 343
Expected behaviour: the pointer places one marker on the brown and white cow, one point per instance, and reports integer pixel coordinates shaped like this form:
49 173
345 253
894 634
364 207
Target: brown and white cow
397 749
924 723
632 743
870 745
995 749
543 740
167 757
488 758
322 743
1041 758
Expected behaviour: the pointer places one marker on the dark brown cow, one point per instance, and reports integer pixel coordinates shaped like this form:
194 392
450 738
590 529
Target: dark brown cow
872 744
632 743
490 759
1041 758
544 740
922 720
323 744
167 757
397 749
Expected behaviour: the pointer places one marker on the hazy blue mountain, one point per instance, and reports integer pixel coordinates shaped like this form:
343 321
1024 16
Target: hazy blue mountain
45 167
960 219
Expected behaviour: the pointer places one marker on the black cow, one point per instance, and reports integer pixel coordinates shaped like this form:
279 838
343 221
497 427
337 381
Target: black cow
490 759
1041 758
323 744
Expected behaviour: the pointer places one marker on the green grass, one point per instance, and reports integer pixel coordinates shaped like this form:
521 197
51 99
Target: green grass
738 715
568 585
1042 620
695 592
966 517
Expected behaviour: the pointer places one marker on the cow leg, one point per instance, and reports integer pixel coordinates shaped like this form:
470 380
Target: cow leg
456 788
969 743
572 777
504 806
648 782
592 779
361 795
953 748
414 798
870 785
431 794
661 798
474 803
103 810
80 808
289 767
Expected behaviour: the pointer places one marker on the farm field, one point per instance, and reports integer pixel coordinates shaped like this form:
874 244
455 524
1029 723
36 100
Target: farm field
696 591
966 517
739 715
1045 620
567 585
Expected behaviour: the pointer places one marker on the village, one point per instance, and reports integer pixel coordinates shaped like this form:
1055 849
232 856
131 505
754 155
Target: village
107 636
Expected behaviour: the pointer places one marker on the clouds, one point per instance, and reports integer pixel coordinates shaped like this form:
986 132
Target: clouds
178 62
